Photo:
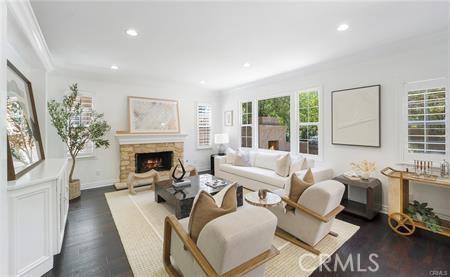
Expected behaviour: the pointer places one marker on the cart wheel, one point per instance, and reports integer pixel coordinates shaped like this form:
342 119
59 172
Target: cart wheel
401 223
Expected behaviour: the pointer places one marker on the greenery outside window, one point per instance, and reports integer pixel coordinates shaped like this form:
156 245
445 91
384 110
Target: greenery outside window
309 122
274 123
427 120
246 124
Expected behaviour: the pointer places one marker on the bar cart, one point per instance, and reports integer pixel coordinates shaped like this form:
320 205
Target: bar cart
398 200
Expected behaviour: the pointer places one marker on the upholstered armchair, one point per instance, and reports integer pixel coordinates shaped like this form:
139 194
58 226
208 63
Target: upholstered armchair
314 213
234 244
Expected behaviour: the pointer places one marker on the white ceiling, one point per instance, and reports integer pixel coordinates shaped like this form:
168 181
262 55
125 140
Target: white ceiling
189 42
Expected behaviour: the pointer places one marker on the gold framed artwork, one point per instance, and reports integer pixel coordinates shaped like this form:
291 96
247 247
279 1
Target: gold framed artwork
152 115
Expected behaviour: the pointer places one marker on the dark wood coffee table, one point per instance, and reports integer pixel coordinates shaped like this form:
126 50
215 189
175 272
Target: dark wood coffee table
181 199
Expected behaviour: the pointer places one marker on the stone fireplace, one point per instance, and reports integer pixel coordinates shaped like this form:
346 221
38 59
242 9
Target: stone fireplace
143 152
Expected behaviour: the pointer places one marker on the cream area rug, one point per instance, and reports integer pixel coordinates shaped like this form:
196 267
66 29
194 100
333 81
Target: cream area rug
140 222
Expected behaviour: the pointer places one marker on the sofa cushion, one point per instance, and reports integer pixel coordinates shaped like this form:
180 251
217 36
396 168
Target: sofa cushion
297 163
266 160
255 173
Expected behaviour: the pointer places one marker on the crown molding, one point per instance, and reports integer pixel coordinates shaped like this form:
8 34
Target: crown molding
24 15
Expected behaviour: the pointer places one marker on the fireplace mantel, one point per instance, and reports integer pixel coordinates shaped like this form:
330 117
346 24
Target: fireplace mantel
129 138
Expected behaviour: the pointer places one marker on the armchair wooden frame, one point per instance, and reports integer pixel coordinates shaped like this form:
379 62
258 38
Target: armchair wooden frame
171 223
326 218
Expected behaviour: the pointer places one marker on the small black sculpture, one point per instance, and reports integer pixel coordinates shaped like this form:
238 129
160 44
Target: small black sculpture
179 179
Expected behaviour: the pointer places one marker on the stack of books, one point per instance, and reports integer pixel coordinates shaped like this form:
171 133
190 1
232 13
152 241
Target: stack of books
181 184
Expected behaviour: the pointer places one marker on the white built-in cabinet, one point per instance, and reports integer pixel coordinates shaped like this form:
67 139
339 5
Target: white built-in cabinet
38 206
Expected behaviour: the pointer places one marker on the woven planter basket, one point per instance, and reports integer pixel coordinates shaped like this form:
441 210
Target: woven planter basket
74 189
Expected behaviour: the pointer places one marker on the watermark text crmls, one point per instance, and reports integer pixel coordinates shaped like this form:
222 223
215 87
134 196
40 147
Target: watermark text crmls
438 273
351 263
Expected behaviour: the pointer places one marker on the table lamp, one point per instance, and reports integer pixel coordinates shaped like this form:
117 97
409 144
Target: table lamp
221 139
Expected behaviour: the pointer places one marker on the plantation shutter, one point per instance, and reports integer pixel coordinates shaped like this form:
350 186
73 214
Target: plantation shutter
204 135
427 118
85 120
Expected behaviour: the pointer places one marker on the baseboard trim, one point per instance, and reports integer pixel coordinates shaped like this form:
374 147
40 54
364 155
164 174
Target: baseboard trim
98 184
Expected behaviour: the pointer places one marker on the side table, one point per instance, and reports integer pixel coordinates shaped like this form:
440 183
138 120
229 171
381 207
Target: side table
372 187
212 162
271 199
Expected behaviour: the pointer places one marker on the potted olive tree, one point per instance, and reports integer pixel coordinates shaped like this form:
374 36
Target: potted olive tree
76 134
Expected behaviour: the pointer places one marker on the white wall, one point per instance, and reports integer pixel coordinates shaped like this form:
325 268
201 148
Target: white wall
110 98
390 66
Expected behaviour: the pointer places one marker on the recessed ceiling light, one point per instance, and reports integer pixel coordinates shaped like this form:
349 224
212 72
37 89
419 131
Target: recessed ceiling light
114 67
132 32
246 65
202 82
342 27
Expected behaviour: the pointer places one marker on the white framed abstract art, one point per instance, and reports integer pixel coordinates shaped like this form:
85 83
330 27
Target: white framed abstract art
356 117
228 116
150 115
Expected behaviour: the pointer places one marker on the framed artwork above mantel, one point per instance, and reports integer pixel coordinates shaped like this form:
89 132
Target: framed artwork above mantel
153 116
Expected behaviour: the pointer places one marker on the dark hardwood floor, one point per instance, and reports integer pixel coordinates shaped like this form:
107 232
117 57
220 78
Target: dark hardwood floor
92 246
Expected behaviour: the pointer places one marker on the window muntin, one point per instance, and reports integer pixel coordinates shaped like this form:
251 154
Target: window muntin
246 124
308 111
427 121
204 134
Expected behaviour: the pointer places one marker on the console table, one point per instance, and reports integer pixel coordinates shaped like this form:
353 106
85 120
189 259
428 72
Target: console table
39 203
372 188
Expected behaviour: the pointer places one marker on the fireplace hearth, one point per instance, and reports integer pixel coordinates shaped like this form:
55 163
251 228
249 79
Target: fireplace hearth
159 161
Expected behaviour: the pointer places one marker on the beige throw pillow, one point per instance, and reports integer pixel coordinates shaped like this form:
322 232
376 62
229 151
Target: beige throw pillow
298 186
205 209
282 165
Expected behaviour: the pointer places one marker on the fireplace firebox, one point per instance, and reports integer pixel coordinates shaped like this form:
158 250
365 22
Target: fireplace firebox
159 161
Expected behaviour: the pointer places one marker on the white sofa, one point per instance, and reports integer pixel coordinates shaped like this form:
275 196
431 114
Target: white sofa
261 172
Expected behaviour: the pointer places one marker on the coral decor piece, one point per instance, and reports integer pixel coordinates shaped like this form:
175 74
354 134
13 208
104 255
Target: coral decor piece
365 168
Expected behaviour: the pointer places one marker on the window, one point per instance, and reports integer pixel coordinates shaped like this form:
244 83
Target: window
204 135
308 111
246 124
84 120
426 113
274 123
